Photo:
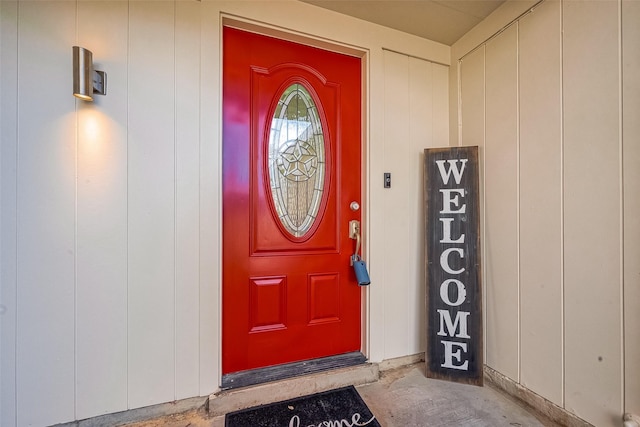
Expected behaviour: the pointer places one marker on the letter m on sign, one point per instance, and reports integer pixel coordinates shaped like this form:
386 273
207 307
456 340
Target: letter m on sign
454 313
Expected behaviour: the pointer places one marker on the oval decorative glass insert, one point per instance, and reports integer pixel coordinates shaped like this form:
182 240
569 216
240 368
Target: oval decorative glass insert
296 160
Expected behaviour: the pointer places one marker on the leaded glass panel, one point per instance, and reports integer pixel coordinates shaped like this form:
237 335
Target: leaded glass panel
296 160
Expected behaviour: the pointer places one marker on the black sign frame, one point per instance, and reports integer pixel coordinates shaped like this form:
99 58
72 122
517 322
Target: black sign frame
453 265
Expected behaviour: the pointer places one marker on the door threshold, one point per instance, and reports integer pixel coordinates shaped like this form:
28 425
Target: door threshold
225 401
289 370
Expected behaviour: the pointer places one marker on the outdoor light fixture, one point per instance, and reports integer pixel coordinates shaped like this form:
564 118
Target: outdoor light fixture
86 80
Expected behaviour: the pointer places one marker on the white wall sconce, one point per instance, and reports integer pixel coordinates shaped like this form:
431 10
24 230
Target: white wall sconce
86 80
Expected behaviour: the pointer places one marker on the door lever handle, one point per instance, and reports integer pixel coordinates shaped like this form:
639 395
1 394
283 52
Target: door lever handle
354 233
359 266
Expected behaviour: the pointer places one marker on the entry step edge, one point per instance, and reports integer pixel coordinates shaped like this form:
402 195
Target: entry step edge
289 370
226 401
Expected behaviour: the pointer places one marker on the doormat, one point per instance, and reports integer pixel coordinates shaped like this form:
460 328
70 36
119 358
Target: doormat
341 407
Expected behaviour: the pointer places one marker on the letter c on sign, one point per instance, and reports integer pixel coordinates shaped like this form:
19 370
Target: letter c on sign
444 292
444 260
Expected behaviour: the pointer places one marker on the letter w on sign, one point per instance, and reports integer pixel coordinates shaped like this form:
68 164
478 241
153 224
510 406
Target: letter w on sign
452 241
454 166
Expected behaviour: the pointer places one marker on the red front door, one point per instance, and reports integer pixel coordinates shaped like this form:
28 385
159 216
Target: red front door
291 169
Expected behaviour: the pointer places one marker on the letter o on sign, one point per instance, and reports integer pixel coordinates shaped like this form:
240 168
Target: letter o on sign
444 292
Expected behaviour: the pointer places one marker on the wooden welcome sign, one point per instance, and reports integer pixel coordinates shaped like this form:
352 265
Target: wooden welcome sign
454 295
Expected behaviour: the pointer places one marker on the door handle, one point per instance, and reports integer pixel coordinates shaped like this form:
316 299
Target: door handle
359 266
354 233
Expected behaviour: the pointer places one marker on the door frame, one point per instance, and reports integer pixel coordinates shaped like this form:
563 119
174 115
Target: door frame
331 45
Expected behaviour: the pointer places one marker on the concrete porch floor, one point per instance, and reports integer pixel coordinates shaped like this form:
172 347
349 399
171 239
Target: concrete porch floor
404 397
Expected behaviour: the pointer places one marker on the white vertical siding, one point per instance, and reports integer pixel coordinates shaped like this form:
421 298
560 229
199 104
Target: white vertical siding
100 212
151 201
631 187
411 105
500 259
440 107
575 201
374 227
8 214
101 259
46 194
592 214
541 316
210 193
397 132
472 133
187 59
472 99
422 102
